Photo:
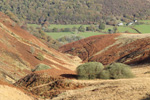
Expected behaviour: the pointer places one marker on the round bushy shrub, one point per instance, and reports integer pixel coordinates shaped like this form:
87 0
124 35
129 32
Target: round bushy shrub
119 70
105 74
41 67
89 70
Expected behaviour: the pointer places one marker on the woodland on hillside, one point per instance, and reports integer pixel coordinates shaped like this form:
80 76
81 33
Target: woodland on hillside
76 11
92 12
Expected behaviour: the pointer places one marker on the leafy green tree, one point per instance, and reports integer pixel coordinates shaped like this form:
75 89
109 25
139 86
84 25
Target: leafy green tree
102 26
81 28
110 31
115 29
55 29
91 28
12 16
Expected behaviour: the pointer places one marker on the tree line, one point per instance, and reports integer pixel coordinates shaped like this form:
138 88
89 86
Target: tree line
75 11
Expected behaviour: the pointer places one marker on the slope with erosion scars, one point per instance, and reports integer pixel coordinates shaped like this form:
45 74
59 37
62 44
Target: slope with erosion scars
125 48
85 48
16 59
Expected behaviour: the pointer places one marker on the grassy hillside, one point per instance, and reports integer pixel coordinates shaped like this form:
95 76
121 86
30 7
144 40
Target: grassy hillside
143 28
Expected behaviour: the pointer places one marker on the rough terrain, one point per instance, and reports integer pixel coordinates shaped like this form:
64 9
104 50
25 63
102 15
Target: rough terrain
125 48
59 83
121 89
16 59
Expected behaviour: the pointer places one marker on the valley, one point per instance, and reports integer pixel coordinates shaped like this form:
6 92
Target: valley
74 50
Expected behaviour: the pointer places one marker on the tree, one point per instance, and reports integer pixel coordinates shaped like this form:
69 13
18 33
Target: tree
115 29
42 33
91 28
55 29
110 31
102 26
81 28
12 16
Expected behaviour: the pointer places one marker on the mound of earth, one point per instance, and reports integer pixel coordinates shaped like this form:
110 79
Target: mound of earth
124 48
17 58
46 86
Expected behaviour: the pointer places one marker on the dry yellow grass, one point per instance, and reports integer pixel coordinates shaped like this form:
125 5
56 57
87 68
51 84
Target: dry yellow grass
137 88
10 93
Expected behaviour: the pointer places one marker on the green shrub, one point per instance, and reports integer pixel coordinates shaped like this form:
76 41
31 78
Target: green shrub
41 67
119 70
40 56
105 74
89 70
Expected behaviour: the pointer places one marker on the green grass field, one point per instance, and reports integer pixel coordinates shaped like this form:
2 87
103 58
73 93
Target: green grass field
107 27
56 35
65 26
143 28
145 21
122 29
59 26
34 25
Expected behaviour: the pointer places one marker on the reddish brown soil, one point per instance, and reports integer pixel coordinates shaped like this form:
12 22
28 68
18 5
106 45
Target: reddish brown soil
16 58
87 47
90 49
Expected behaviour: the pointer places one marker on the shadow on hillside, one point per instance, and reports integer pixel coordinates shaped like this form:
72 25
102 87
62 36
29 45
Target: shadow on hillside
147 98
142 62
72 76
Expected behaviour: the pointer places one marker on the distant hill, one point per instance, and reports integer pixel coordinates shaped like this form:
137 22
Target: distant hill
124 48
76 11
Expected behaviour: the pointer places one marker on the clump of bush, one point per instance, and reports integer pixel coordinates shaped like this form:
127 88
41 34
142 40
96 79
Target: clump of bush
95 70
89 70
41 67
40 56
116 71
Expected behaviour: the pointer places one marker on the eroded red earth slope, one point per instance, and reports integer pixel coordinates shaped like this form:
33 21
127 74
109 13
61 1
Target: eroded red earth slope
16 60
125 48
